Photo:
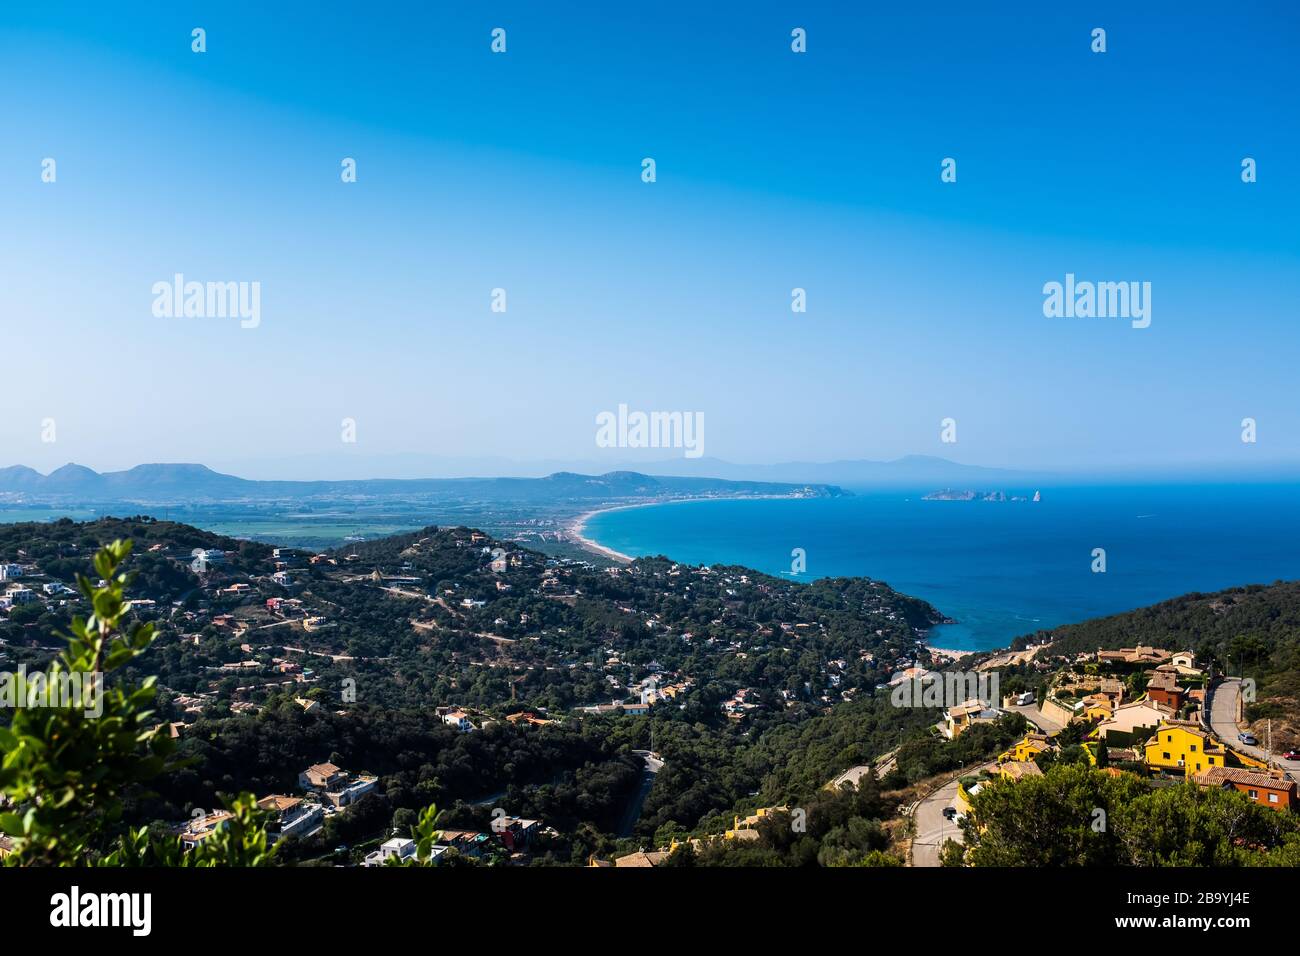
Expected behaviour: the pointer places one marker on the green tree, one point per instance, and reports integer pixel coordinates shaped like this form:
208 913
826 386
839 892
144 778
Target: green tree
77 746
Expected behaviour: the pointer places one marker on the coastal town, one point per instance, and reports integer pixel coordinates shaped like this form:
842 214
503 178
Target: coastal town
500 636
255 629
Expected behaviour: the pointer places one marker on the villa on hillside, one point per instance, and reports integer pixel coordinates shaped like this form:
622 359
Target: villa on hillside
1136 719
1265 789
1028 748
336 786
966 715
1183 747
1134 655
1019 770
1163 688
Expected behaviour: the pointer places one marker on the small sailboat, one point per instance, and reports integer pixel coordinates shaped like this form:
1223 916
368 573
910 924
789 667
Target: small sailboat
1038 496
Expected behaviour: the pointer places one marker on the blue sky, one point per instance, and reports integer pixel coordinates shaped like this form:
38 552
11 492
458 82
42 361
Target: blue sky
775 170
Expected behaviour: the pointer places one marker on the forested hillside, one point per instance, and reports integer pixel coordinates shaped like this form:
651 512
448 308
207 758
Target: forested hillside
1250 631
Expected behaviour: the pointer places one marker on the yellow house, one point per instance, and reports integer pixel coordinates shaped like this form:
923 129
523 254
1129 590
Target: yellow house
1183 747
744 829
1019 771
1098 707
1028 748
962 803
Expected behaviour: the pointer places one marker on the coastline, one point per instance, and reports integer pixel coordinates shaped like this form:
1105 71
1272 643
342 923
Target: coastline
575 528
948 654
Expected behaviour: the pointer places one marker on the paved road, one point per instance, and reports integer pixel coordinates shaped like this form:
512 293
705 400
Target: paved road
651 763
1223 721
932 828
882 765
1045 723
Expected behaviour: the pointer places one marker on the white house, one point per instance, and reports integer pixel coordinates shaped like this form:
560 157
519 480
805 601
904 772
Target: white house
458 719
21 595
352 792
398 848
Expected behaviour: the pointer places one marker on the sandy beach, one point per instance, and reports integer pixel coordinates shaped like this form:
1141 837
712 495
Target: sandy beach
948 653
575 527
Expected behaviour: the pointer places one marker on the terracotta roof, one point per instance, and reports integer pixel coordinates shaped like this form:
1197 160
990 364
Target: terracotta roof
1164 680
1218 776
279 801
641 858
1017 769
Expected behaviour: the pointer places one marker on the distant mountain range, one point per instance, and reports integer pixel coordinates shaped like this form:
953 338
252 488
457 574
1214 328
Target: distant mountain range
189 482
912 471
569 480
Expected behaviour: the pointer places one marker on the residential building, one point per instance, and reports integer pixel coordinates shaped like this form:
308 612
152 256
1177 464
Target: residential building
321 776
20 595
1182 747
618 707
526 717
1163 688
516 832
1134 655
198 829
1134 720
294 816
1265 789
642 858
1019 770
964 716
459 720
351 793
1098 707
1028 748
469 842
398 848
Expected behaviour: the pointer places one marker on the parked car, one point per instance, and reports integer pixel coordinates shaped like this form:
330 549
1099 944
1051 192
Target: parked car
950 812
1026 698
1247 738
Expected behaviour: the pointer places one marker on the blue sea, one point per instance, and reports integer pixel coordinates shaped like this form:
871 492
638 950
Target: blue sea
1000 569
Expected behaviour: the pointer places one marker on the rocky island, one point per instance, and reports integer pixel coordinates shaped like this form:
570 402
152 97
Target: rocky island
949 494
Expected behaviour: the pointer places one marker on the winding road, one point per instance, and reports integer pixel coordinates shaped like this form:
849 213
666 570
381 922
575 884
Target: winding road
932 828
1224 707
651 763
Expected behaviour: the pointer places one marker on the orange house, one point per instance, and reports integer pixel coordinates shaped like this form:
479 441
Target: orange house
1164 689
1268 791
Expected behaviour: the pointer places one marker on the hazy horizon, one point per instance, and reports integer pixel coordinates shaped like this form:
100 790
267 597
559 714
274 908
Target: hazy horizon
415 466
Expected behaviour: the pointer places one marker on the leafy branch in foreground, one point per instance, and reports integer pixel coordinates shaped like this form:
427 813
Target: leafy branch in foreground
425 833
75 746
